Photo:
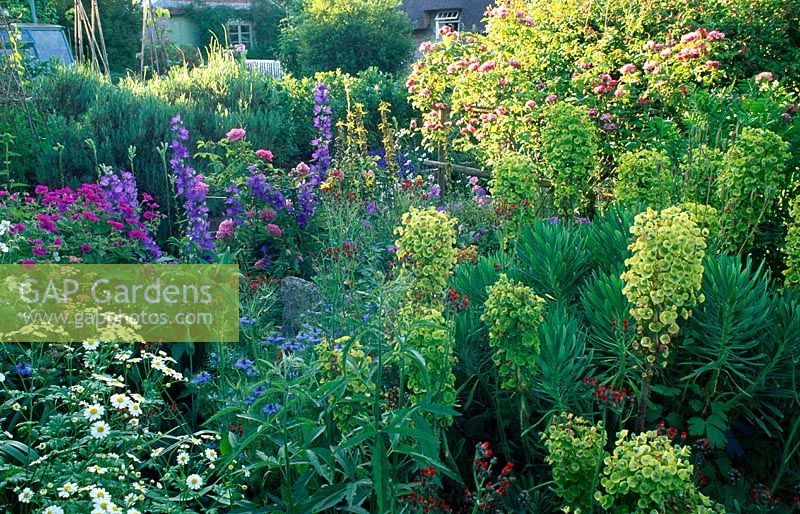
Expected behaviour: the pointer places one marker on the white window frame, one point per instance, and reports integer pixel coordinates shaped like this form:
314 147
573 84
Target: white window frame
451 18
234 28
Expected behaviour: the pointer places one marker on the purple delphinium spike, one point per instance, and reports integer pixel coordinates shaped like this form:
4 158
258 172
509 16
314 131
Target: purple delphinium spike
122 197
190 185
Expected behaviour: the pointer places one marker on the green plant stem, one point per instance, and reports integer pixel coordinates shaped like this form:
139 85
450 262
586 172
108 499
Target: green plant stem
644 396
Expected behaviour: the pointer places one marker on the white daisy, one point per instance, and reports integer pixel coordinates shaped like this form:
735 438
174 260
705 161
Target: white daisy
100 430
26 495
98 493
103 503
67 489
183 458
52 509
135 409
97 510
2 378
91 345
133 511
194 482
211 454
131 498
158 363
120 401
94 412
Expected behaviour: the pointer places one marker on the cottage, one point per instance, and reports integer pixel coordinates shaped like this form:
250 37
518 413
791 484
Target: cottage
428 16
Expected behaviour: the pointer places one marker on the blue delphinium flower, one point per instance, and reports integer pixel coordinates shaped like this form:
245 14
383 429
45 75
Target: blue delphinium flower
244 320
23 369
201 378
272 408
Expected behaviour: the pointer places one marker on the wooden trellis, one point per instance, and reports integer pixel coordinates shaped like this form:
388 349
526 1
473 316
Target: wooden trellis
90 45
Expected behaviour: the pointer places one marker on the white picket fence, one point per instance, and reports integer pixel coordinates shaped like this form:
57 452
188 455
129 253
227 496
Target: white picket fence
267 67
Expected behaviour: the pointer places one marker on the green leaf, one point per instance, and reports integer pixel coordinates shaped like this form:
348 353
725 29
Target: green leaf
697 426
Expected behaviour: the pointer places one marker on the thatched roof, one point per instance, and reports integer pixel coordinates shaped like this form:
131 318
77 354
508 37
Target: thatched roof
421 11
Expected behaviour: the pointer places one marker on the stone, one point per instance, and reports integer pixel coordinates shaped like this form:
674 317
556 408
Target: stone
299 296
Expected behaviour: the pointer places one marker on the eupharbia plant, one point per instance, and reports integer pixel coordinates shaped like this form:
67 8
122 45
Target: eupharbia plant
792 249
646 473
426 247
644 175
750 183
513 314
569 148
662 281
575 452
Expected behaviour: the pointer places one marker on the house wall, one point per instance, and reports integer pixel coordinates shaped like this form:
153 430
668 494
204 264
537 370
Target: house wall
183 31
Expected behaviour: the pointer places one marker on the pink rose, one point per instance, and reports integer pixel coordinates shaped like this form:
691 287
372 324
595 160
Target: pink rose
665 53
715 34
225 229
628 69
649 65
514 63
712 65
487 66
265 155
236 134
763 77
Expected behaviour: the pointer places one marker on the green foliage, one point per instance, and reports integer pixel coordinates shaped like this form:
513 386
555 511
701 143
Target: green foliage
351 35
663 276
553 258
705 216
46 10
792 249
646 473
569 149
750 183
515 180
562 363
426 245
513 313
644 175
575 452
608 238
610 330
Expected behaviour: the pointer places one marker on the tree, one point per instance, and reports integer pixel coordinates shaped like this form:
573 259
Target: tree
351 35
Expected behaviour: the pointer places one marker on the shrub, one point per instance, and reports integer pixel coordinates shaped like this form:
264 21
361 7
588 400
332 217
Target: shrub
750 183
345 361
351 35
569 148
644 175
513 313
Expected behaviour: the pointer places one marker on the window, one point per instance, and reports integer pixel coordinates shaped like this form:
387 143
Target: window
240 33
450 19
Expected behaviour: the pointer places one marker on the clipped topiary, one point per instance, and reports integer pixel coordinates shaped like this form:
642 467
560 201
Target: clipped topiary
644 175
569 148
750 183
426 247
575 452
513 314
